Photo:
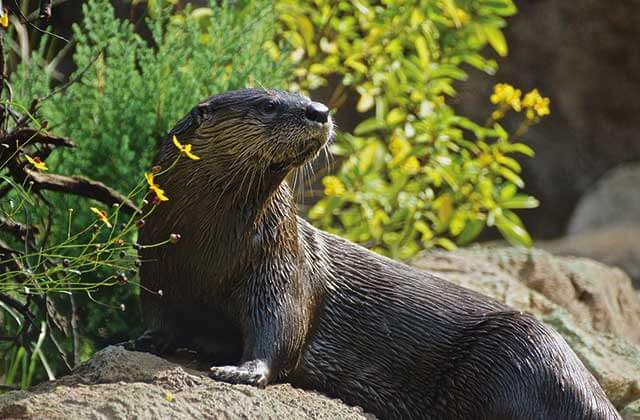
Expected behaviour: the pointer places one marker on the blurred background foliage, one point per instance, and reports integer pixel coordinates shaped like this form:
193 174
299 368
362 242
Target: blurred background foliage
411 175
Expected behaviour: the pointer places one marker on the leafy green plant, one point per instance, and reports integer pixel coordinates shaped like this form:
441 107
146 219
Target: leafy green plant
414 174
136 90
58 302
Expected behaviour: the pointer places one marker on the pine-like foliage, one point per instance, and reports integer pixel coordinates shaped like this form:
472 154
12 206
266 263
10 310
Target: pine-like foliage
136 90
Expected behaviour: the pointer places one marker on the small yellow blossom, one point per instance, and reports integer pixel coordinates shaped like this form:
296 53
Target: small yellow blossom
504 93
4 19
333 186
37 163
486 159
411 166
463 17
185 149
102 216
536 105
159 192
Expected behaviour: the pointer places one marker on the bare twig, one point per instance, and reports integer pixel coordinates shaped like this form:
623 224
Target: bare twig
33 16
71 81
80 186
17 229
45 10
26 20
18 138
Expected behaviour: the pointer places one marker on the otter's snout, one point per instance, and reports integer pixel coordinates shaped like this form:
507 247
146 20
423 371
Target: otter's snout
317 112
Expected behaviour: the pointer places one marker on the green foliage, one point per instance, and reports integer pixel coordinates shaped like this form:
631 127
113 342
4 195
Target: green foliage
414 174
127 95
135 90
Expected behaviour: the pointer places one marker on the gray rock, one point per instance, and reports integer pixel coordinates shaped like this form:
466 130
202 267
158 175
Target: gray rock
632 411
119 384
616 245
613 200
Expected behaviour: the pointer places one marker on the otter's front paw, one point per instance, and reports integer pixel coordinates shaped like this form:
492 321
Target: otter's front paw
150 341
250 373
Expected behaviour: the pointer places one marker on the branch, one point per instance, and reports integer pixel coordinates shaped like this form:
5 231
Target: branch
45 10
17 229
19 138
8 258
81 186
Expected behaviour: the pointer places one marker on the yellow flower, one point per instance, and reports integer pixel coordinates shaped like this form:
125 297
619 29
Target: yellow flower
411 165
159 192
486 159
185 149
4 19
37 163
497 114
463 17
333 186
506 94
536 105
102 216
542 107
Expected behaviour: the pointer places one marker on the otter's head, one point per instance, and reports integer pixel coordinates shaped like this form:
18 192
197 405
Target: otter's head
256 133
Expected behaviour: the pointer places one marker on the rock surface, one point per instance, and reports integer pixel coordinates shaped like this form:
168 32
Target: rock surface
613 200
119 384
605 225
617 245
594 307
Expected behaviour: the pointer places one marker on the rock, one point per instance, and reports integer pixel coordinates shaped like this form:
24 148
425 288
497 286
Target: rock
537 282
592 306
605 225
632 411
117 383
613 200
617 245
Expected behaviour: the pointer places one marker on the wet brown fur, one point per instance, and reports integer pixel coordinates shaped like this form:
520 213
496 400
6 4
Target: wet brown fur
262 291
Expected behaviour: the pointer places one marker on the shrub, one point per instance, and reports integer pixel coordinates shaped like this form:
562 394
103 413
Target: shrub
128 93
134 91
414 174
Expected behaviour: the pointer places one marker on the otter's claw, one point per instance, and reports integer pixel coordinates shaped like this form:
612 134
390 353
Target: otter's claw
250 373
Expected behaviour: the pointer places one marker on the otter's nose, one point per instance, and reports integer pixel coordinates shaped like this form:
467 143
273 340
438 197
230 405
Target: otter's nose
317 112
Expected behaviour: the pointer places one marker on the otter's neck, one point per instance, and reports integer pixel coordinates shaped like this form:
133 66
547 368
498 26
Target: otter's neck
239 230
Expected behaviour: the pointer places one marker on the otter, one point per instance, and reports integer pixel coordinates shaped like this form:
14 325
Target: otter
270 298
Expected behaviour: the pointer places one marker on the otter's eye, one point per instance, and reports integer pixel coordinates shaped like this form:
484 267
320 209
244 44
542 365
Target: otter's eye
269 107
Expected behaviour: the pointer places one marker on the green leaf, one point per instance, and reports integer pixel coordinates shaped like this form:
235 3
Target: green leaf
472 229
514 232
520 201
502 8
511 176
396 116
445 243
496 39
369 125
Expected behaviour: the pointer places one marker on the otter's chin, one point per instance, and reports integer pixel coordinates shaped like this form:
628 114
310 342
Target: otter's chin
306 150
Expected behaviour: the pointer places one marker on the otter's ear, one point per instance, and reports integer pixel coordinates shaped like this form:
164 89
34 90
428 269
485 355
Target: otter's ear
201 113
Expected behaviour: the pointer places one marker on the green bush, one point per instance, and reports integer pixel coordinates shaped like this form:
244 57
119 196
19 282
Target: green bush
128 94
414 174
135 90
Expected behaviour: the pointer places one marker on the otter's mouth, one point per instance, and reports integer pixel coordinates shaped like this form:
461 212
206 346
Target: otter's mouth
308 152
